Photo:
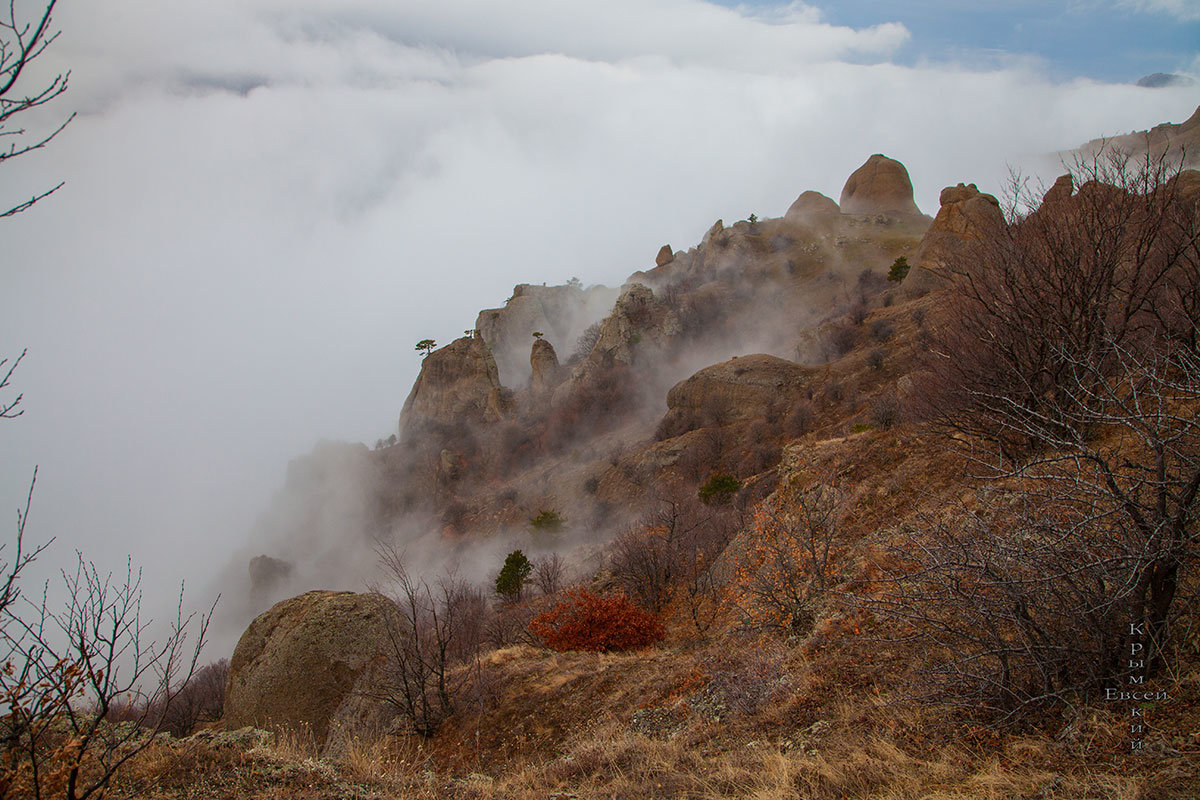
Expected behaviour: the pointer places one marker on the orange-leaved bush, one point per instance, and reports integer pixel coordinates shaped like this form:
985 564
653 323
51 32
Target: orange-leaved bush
586 621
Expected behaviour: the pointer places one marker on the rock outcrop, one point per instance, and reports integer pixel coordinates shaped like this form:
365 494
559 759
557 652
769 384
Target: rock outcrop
560 312
880 186
1186 185
457 384
640 327
811 205
267 573
1060 192
742 388
301 665
665 256
546 370
966 215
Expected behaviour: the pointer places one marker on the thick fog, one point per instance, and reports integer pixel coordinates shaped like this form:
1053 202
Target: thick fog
268 203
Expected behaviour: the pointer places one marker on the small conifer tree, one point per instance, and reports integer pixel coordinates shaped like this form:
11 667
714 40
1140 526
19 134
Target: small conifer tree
900 268
513 574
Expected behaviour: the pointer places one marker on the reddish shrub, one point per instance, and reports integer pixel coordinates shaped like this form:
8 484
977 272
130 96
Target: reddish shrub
585 621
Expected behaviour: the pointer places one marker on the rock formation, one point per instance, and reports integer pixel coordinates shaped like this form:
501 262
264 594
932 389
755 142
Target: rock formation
739 389
639 327
966 215
880 186
1061 191
665 256
267 573
560 312
811 205
457 384
300 665
546 371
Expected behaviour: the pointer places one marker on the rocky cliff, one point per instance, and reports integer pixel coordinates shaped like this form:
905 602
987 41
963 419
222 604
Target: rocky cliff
966 216
458 385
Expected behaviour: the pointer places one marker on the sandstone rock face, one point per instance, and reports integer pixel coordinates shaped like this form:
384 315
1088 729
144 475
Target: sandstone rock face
458 384
810 205
735 390
544 363
1187 185
665 256
880 186
638 318
716 229
1062 190
640 325
298 664
967 215
560 312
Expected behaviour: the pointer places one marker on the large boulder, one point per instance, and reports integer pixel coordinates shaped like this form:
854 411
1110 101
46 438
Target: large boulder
740 389
457 385
966 216
880 186
301 666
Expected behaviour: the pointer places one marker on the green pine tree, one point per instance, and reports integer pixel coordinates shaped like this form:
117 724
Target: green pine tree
512 575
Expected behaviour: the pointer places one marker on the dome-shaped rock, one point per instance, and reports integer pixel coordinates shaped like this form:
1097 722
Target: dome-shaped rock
880 186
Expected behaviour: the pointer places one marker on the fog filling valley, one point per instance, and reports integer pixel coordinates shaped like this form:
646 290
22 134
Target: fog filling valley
267 204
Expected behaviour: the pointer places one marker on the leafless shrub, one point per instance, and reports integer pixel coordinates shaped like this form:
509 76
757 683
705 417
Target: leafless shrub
875 358
586 341
21 43
435 628
785 569
549 574
69 668
838 340
201 699
857 314
799 419
885 412
918 316
746 680
1014 614
882 330
668 556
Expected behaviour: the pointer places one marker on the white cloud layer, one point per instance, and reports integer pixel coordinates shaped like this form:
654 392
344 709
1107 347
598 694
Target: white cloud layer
269 202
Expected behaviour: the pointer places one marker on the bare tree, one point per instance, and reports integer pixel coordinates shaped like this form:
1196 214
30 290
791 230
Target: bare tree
21 42
785 568
1010 609
434 633
549 574
669 556
1067 283
1069 368
67 669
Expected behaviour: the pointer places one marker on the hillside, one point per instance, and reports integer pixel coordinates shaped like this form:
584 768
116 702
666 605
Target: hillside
852 502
